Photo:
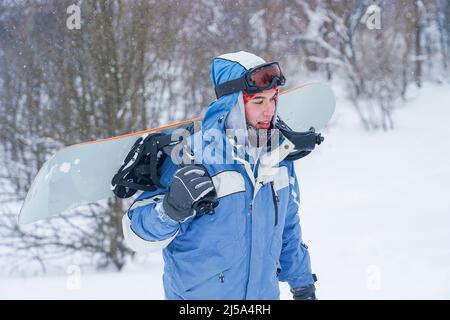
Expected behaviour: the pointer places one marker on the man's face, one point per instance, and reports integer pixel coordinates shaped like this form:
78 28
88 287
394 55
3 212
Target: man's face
260 109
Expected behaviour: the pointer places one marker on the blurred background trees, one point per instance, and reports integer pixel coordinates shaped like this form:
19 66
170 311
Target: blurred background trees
135 65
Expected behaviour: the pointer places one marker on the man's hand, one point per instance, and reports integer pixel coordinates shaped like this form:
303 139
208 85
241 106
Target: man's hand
305 293
191 190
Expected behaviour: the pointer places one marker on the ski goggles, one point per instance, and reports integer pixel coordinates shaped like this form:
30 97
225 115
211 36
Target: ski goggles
260 78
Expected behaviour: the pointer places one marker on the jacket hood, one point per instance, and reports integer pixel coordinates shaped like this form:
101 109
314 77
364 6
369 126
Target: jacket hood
224 68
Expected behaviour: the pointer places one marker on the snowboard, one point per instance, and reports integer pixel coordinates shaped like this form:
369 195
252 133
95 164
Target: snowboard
81 174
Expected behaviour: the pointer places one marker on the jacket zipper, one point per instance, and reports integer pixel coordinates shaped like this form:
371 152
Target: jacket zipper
275 202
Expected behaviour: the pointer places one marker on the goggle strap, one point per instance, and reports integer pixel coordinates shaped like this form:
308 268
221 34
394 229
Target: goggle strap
230 87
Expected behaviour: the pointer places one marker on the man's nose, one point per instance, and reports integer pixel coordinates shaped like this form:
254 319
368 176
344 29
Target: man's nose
269 109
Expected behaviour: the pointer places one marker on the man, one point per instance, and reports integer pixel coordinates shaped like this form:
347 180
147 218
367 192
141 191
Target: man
251 239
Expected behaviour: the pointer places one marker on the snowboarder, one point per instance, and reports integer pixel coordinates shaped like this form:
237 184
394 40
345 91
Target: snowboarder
251 238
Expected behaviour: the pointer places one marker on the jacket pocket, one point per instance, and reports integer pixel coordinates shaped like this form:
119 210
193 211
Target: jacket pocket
275 248
278 267
211 263
275 202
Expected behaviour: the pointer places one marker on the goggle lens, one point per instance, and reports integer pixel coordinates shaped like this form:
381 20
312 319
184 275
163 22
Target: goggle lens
263 77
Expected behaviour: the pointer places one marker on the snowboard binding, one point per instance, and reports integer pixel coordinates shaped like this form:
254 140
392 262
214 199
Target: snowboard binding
139 170
304 142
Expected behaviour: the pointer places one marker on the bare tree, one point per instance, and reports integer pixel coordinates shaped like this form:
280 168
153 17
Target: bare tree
66 86
375 63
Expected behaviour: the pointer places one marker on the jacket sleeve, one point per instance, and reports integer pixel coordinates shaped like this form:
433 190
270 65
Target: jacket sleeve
146 227
294 259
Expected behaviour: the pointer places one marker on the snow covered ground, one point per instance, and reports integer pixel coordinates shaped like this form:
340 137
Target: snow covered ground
376 206
375 214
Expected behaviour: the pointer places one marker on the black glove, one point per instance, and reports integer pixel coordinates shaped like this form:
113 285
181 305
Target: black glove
191 190
305 293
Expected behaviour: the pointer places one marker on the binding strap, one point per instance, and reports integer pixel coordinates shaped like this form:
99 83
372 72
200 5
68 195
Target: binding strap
139 170
304 142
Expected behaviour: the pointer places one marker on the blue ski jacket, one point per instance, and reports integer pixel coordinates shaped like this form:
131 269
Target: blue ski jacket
252 240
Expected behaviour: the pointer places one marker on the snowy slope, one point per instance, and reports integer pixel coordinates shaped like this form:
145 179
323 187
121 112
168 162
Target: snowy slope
376 207
375 214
